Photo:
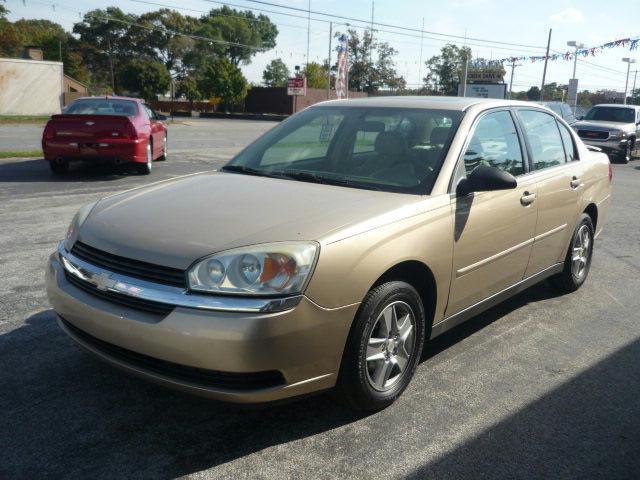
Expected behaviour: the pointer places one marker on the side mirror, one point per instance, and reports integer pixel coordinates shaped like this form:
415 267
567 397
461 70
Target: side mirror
486 179
161 117
580 117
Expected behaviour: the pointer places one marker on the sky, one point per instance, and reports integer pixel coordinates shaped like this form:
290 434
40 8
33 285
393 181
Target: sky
527 23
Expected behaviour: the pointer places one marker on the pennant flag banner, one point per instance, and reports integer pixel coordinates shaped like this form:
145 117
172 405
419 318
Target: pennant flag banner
341 77
630 43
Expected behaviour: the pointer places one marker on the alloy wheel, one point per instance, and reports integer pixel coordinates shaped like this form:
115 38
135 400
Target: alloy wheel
581 252
390 346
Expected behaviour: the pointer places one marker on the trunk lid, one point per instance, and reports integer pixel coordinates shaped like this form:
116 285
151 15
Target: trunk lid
88 128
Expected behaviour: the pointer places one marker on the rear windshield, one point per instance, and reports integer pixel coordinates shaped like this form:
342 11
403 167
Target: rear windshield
102 106
611 114
391 149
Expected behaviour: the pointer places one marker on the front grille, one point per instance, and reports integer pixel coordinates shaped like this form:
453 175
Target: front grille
126 300
126 266
194 375
593 134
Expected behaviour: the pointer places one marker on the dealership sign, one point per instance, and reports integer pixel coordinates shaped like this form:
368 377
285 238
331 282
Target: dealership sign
489 75
297 86
484 90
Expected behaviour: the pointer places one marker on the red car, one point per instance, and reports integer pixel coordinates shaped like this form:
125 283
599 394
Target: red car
117 129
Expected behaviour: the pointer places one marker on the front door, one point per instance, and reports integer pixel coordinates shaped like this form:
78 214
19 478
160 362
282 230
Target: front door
555 167
493 231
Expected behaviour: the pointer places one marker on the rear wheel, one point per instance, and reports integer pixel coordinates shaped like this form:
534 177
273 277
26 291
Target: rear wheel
578 260
384 346
59 166
145 168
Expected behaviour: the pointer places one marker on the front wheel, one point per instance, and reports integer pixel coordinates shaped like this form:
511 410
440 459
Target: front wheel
384 346
163 157
578 260
625 156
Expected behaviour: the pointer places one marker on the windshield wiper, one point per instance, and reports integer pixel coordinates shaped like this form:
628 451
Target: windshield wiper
251 171
316 178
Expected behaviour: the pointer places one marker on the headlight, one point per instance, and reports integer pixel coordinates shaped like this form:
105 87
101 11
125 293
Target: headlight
617 134
77 222
266 269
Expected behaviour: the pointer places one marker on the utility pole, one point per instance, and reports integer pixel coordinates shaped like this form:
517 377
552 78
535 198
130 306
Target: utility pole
308 30
635 77
628 61
544 72
513 67
113 83
59 49
420 63
329 62
466 63
373 5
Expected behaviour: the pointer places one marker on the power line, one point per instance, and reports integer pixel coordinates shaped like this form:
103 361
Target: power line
352 19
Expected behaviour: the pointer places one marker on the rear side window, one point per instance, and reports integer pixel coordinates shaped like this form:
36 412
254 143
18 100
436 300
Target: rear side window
495 143
101 106
545 143
569 145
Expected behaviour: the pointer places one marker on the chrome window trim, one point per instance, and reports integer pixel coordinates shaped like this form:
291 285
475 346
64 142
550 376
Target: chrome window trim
108 281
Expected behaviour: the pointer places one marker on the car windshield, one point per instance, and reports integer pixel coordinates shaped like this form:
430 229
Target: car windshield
391 149
101 106
611 114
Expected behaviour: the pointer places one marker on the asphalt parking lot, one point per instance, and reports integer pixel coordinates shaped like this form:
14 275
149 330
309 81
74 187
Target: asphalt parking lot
543 386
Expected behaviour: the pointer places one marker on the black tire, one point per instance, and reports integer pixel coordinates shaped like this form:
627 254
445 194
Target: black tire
356 378
145 168
570 280
59 167
625 156
163 157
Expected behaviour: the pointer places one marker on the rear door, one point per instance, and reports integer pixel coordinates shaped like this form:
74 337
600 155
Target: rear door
157 129
493 231
558 173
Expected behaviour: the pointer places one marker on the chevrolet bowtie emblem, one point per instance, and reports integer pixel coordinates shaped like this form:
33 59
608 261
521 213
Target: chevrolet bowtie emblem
103 281
89 123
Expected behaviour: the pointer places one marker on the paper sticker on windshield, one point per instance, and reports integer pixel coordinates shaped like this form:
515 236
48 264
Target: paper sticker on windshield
325 132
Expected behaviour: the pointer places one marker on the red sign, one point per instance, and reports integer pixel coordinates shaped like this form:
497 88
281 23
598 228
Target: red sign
297 86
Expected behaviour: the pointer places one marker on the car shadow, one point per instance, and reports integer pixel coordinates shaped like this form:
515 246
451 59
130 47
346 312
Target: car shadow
66 414
37 170
585 428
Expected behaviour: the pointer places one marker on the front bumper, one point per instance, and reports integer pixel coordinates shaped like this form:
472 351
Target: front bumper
190 349
122 149
612 146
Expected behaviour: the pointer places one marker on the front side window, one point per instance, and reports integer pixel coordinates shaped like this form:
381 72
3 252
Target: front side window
545 143
495 143
101 106
611 114
392 149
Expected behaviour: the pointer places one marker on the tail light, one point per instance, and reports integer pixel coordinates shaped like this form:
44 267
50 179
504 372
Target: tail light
49 131
610 172
131 131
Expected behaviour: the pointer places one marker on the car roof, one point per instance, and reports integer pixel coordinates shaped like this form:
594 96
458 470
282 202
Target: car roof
435 103
616 105
109 97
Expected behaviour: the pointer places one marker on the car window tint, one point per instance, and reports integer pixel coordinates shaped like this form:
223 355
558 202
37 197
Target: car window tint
569 145
495 143
101 106
311 140
544 138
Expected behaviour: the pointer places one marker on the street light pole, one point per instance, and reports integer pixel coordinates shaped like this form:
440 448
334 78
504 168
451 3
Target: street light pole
629 61
635 77
577 46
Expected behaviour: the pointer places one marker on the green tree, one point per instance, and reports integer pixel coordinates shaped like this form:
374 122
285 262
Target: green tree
371 63
316 75
188 88
445 71
222 79
533 93
276 73
10 43
237 35
145 77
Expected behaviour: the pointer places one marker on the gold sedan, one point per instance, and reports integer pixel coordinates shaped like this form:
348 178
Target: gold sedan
330 250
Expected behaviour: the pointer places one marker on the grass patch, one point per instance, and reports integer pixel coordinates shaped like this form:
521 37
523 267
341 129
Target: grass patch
38 119
20 153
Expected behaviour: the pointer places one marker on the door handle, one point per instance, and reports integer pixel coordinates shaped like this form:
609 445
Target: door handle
576 182
527 198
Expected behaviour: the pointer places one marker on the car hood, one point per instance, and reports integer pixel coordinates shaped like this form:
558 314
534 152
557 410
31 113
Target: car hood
175 222
604 126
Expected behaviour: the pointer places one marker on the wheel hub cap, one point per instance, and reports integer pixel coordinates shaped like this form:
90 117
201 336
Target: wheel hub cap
581 252
390 345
